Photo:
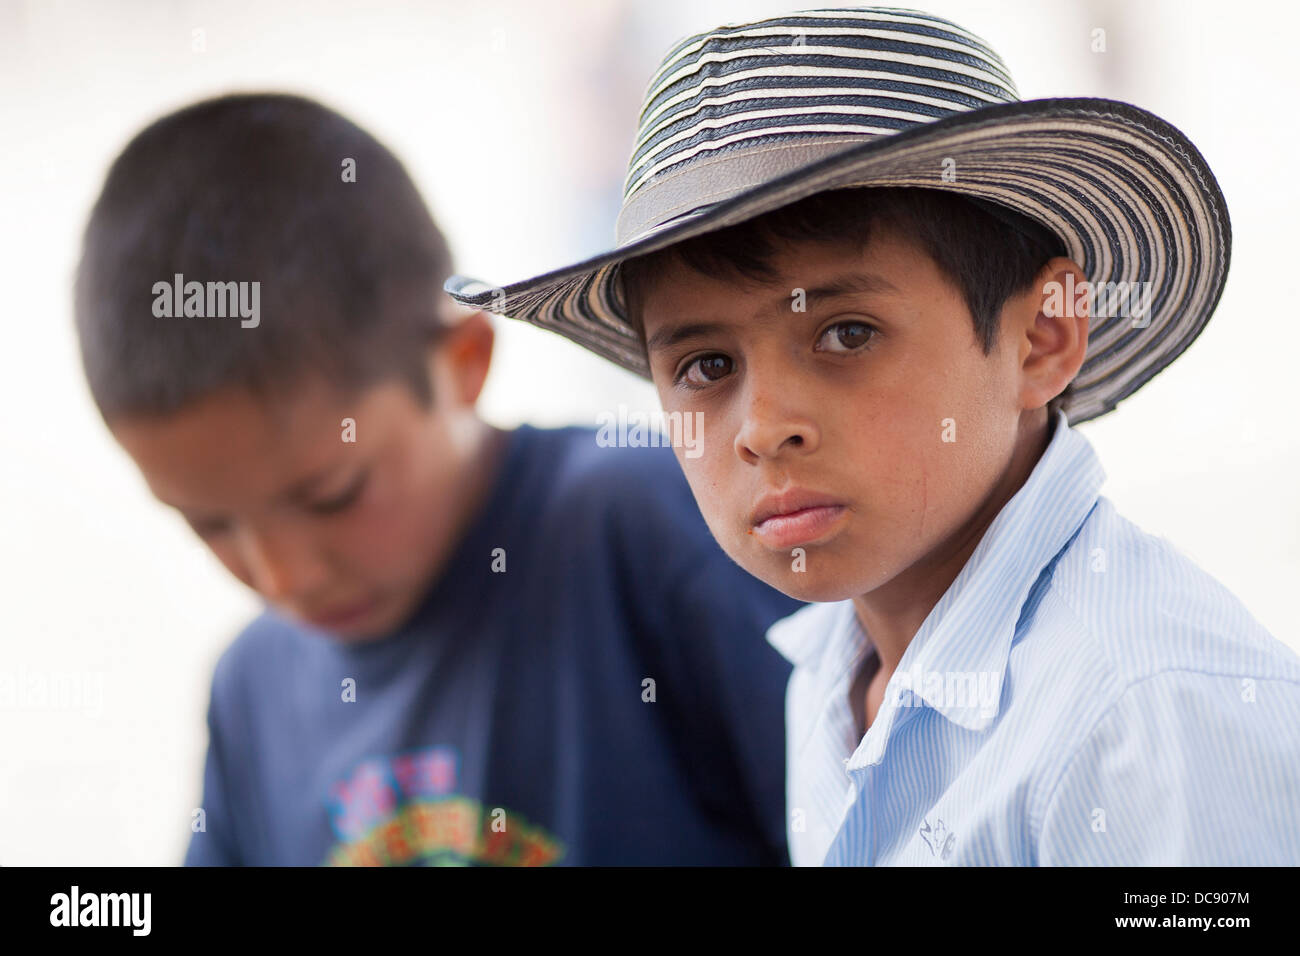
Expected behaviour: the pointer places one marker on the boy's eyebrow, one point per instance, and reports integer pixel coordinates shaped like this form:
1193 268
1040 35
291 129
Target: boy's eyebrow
852 283
678 333
300 489
294 492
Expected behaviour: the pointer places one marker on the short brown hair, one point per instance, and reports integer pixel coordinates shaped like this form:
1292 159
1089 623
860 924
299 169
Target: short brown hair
252 187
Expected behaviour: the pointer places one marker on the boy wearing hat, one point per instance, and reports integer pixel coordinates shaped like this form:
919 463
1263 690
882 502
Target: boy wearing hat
480 646
892 289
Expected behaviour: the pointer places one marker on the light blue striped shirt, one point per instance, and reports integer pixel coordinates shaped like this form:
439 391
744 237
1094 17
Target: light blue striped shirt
1082 694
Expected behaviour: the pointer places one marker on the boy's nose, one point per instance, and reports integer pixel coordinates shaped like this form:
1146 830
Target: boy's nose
772 426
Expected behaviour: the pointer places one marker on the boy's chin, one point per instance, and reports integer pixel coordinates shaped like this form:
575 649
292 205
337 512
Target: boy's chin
806 586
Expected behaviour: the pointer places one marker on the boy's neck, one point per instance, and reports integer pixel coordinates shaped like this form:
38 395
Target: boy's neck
484 456
485 461
892 614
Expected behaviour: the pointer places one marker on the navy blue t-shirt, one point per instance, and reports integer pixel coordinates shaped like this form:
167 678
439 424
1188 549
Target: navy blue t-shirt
605 697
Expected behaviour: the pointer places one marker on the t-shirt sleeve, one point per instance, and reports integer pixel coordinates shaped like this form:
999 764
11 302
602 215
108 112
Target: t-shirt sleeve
743 678
704 621
1184 769
216 843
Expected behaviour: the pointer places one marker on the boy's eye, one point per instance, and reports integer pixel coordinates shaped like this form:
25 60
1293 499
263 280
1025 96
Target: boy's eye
710 368
845 337
341 501
207 528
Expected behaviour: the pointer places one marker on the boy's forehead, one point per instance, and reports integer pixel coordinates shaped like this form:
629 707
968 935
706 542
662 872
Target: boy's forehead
808 270
232 446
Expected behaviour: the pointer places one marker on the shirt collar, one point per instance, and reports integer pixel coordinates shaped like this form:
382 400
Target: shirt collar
957 661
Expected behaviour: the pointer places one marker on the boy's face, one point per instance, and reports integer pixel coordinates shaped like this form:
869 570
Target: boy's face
836 416
345 536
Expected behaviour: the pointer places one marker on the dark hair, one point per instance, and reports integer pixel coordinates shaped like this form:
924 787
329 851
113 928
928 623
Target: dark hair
988 257
252 188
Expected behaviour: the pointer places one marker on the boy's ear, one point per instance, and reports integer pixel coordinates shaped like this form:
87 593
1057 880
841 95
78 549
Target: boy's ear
463 354
1054 342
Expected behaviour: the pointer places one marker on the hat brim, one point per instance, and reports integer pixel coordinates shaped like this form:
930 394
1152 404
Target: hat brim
1128 194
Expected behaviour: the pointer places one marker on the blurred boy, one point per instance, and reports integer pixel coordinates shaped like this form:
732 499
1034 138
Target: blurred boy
481 646
1002 670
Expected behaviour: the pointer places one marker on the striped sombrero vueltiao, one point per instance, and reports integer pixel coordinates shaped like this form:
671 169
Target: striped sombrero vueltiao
747 118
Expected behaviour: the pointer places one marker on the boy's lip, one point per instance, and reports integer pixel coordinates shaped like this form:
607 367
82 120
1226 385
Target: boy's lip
795 516
788 502
344 615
